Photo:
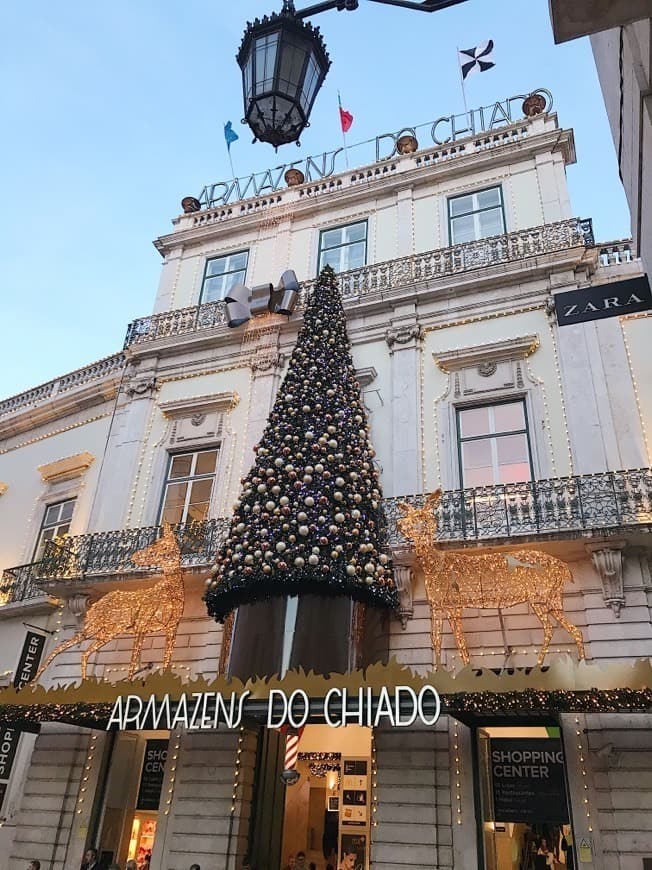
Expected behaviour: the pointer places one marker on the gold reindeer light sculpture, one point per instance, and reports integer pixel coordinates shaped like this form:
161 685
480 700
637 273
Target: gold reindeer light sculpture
455 581
156 609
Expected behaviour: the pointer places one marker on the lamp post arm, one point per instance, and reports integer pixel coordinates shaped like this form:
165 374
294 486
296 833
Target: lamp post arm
350 5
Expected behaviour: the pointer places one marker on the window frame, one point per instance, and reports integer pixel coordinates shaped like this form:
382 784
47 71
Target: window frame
507 400
206 276
475 192
324 230
167 480
43 527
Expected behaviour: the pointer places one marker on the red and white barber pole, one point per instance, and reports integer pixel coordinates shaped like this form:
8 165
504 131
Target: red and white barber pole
291 775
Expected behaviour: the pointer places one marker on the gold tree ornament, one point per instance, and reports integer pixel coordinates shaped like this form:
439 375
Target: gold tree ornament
455 581
157 608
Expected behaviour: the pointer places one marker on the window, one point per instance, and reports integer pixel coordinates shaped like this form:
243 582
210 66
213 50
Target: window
476 215
493 444
188 487
343 248
223 273
56 522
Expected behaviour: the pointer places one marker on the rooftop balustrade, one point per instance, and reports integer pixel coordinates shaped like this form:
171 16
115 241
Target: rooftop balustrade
390 275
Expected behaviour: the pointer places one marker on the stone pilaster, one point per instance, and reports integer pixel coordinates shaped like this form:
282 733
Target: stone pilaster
403 340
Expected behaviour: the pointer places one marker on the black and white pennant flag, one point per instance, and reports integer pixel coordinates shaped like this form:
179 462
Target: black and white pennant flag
478 59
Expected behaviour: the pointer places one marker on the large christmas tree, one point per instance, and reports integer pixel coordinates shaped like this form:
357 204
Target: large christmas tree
309 517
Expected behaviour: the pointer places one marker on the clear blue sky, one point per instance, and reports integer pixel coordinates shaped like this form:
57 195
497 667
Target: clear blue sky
112 112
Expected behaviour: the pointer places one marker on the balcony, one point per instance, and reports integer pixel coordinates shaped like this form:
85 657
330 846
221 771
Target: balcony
562 507
102 555
390 275
558 506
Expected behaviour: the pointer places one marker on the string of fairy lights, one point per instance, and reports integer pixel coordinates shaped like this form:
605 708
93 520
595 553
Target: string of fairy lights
457 757
86 772
374 780
582 753
236 771
176 744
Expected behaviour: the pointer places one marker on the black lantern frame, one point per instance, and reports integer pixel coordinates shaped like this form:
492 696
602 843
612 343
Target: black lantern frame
284 63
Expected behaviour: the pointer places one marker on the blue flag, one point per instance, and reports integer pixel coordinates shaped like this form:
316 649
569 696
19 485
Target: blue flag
230 135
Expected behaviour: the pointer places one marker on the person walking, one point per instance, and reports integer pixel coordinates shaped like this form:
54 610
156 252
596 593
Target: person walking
90 861
34 865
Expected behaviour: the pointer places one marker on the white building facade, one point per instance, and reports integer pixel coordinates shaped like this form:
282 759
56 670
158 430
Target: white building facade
503 357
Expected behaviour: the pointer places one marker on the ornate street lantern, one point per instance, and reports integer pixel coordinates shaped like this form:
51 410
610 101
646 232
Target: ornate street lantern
284 63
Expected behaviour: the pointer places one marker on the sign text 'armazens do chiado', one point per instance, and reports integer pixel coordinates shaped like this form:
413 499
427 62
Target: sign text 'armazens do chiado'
444 130
400 707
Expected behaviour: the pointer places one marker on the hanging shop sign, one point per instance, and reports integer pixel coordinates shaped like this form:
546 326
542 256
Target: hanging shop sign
30 658
399 707
446 129
9 738
605 300
528 783
151 777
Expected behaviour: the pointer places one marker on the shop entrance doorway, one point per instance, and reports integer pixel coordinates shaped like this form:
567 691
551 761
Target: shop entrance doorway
327 813
130 808
526 823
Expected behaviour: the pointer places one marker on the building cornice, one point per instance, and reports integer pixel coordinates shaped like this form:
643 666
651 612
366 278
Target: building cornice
494 351
63 405
357 186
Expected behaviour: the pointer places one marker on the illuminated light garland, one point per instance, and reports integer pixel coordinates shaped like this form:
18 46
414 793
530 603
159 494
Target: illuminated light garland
624 700
141 459
455 581
582 753
560 388
374 781
630 364
477 318
88 766
54 432
546 413
458 772
236 773
173 769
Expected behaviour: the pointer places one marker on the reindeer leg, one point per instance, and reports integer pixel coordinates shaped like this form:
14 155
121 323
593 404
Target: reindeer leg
455 620
72 641
437 624
170 637
544 615
573 630
94 647
135 654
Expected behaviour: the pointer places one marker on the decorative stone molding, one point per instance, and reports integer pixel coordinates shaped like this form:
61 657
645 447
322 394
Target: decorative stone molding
403 577
404 335
3 488
267 362
198 419
78 604
141 387
65 469
365 376
482 356
608 561
175 409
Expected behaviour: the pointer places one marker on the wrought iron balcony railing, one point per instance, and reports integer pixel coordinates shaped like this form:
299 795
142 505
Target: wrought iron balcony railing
103 553
391 274
580 503
19 584
563 505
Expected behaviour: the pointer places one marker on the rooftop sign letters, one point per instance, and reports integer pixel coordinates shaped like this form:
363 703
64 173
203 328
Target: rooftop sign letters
400 707
442 131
